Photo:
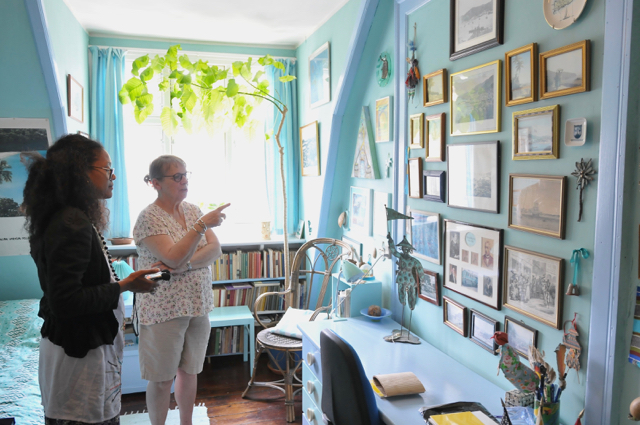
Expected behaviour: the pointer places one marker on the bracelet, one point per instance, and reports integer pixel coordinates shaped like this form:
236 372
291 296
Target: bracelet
197 231
203 224
204 228
189 266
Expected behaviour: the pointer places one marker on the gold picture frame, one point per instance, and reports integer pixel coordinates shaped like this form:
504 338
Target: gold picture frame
309 150
434 131
416 131
574 61
454 315
415 178
434 90
521 78
75 99
536 133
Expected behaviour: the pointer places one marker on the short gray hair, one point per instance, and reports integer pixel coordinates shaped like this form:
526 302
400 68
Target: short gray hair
160 165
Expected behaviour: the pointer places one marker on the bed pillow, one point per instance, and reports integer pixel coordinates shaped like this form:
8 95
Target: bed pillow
288 325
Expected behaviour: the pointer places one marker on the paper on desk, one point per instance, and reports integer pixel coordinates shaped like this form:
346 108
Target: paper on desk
394 384
461 418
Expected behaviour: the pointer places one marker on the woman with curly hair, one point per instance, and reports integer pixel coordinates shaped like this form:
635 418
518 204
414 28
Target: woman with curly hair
82 334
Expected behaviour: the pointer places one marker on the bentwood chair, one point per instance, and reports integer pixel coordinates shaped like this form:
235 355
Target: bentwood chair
315 261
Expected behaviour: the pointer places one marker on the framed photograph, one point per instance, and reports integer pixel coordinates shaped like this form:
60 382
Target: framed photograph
536 133
454 315
475 100
381 200
433 185
309 150
575 132
565 70
533 285
435 138
474 176
475 25
415 177
479 281
425 235
360 210
320 76
384 119
434 88
75 99
416 130
520 335
24 134
521 75
537 204
481 330
429 287
357 246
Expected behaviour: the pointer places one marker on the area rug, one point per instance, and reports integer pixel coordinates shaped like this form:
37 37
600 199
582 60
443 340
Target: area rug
173 418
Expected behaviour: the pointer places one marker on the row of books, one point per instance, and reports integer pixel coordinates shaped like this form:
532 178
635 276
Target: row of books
268 263
228 340
246 293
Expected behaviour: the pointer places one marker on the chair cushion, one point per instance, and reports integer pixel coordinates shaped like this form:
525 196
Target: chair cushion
288 325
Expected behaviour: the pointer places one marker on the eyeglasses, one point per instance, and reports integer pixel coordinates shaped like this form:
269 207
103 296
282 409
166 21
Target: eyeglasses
177 177
110 170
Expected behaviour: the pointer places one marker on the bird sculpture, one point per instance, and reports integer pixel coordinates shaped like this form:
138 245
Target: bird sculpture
520 375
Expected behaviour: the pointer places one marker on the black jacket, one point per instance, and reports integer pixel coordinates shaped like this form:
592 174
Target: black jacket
78 302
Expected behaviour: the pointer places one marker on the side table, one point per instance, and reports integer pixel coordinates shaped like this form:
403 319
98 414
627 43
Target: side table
234 316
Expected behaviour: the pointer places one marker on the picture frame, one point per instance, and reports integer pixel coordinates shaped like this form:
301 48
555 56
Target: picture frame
481 329
476 162
384 119
434 90
565 70
533 285
521 336
536 133
360 210
575 132
433 185
357 246
429 287
309 150
424 230
473 261
415 177
381 200
24 134
474 27
527 192
468 115
416 131
434 130
365 159
75 99
320 76
521 75
454 315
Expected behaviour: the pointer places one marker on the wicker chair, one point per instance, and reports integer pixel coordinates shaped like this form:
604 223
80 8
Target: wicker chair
322 255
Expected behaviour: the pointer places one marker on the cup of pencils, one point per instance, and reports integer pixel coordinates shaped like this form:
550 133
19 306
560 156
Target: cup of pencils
550 412
547 394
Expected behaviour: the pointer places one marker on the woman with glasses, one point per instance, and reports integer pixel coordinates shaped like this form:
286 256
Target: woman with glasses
82 343
174 320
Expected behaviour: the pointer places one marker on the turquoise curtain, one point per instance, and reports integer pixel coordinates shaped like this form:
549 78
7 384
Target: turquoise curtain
106 126
288 94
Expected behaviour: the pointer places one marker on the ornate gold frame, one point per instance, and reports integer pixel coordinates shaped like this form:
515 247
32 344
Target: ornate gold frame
554 153
585 46
533 52
443 75
428 118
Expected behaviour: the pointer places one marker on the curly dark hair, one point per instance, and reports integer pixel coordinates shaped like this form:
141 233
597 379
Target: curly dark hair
60 180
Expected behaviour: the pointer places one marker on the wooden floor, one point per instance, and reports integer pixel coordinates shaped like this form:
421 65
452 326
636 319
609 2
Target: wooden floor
220 386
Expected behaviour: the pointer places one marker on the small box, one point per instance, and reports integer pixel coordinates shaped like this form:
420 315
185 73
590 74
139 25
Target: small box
515 398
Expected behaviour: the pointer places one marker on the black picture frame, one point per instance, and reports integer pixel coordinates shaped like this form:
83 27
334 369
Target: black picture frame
483 340
518 348
484 45
425 189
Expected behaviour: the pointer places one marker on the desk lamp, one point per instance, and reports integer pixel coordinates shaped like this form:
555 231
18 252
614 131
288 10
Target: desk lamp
351 274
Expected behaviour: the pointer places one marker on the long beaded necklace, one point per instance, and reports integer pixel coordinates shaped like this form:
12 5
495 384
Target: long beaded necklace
107 254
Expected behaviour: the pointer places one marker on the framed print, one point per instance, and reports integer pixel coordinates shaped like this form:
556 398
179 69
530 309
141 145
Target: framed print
575 132
357 246
433 185
566 70
320 76
479 281
435 138
475 100
75 99
533 285
536 133
365 161
309 150
454 315
24 134
474 176
521 75
381 200
429 287
475 25
481 329
416 130
384 119
537 204
425 235
520 335
360 210
434 90
415 177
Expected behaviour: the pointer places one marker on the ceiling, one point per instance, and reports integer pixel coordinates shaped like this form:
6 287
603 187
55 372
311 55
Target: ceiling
282 23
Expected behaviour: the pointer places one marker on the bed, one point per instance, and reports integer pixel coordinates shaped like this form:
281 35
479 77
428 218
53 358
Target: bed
19 345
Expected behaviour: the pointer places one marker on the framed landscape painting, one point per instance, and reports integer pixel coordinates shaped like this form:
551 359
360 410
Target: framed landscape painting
434 88
435 138
320 76
309 149
425 235
384 119
416 131
520 335
482 329
475 25
536 133
474 176
454 315
521 75
566 70
429 287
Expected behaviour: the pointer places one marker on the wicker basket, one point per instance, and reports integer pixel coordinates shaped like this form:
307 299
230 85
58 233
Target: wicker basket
518 398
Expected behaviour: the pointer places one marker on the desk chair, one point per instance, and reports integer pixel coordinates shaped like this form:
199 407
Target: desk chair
347 396
321 255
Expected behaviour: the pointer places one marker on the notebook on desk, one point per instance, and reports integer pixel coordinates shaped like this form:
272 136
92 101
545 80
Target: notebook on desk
461 418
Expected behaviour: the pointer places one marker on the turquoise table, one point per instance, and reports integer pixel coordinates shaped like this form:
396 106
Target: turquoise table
235 316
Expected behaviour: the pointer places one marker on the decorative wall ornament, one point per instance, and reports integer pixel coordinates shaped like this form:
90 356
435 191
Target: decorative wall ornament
575 262
560 14
384 69
570 340
413 76
365 164
584 173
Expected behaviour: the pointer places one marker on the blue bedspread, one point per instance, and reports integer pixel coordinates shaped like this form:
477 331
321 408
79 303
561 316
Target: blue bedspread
19 345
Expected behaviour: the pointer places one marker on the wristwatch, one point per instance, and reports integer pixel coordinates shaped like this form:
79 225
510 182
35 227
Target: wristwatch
189 267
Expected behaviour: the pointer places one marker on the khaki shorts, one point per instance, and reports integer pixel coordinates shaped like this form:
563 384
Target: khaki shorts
177 343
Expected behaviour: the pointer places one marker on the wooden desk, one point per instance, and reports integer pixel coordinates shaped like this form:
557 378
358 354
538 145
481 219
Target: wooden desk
444 379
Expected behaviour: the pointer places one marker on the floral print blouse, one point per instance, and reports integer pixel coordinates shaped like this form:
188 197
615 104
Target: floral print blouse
186 294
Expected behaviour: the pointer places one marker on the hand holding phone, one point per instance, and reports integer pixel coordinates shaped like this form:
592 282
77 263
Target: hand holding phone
161 275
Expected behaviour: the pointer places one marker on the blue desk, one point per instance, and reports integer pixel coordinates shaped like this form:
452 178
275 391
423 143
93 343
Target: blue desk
234 316
444 379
